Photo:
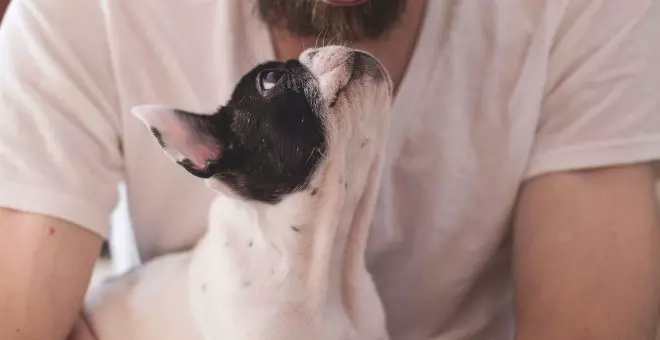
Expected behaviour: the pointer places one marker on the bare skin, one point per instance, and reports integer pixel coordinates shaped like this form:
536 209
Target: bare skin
586 251
49 263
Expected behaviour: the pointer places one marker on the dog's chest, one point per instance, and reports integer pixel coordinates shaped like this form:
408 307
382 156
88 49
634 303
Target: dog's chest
245 284
241 264
240 287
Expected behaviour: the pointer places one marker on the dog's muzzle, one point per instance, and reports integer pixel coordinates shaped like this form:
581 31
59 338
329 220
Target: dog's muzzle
366 65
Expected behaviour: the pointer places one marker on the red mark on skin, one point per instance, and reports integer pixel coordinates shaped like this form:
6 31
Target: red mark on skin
51 231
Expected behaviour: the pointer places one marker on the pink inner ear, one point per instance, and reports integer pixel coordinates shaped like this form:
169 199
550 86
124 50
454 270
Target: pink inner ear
202 151
180 141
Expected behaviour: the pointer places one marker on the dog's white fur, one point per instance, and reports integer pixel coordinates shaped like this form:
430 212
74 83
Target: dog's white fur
290 271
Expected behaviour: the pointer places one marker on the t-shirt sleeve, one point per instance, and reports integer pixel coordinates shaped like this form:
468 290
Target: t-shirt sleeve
59 145
602 100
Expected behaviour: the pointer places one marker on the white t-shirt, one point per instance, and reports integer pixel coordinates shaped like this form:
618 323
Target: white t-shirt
496 92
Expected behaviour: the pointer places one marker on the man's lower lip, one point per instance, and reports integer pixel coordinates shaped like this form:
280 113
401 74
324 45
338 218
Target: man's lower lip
344 2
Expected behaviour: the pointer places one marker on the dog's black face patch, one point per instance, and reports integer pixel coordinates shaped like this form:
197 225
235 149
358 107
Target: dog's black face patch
270 133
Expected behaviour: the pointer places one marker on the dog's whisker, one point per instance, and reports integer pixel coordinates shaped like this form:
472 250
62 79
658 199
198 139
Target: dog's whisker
249 57
325 35
316 43
315 150
320 153
310 155
332 39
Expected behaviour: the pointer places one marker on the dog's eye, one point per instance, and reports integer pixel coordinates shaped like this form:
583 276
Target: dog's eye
268 79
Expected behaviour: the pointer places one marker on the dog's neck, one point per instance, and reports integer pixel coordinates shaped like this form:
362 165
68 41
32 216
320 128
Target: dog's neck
322 229
307 249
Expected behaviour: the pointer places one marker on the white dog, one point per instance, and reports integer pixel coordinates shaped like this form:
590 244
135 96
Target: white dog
297 154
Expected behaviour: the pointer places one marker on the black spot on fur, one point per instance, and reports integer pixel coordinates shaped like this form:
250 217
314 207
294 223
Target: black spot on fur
313 54
159 137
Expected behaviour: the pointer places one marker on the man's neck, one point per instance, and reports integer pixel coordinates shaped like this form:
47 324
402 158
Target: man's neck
394 50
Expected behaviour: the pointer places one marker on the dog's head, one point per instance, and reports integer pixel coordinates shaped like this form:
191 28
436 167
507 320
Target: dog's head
283 124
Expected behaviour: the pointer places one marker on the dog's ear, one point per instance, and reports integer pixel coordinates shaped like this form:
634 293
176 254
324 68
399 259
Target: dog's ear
188 138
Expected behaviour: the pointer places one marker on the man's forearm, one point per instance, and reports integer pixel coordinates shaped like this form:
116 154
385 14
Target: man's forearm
45 266
586 252
29 314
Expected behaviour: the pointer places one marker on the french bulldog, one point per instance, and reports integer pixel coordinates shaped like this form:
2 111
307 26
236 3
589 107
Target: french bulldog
296 156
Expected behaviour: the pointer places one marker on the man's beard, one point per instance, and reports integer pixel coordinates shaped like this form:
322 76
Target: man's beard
314 18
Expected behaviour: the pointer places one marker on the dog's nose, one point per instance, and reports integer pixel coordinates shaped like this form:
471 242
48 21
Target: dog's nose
355 63
325 53
326 59
365 64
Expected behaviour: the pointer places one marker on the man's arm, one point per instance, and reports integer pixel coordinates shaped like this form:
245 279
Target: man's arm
3 8
587 247
59 156
45 266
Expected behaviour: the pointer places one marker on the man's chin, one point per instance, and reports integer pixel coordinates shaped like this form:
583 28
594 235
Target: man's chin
339 20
